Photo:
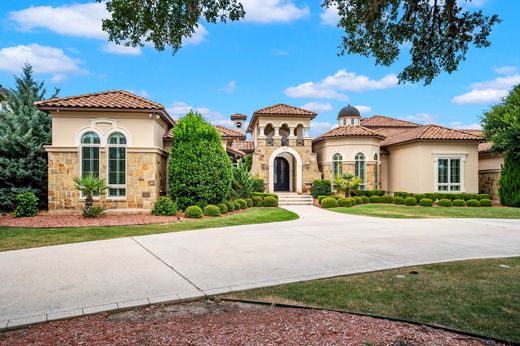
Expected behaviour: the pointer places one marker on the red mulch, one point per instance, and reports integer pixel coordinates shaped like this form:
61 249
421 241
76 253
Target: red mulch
226 323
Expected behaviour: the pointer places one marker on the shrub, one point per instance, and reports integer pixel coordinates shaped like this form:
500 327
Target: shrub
230 206
329 203
320 198
410 201
345 202
242 203
270 201
433 196
249 202
211 210
442 195
200 171
375 199
482 196
485 202
472 203
365 199
426 202
320 187
257 185
27 204
468 196
402 194
419 196
264 194
387 199
242 183
358 199
164 206
353 201
238 206
445 202
398 200
223 208
455 196
509 182
193 212
95 211
257 201
459 203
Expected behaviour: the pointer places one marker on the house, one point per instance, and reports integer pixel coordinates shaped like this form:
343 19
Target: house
126 139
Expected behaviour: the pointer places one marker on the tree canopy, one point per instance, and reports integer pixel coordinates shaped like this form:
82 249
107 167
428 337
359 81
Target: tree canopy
438 33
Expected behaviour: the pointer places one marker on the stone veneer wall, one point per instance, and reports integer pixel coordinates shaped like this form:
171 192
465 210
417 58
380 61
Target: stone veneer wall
146 177
349 167
488 183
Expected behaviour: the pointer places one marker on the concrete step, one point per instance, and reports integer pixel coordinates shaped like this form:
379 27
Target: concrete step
294 199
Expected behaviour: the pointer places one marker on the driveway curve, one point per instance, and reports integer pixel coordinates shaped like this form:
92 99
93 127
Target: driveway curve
70 280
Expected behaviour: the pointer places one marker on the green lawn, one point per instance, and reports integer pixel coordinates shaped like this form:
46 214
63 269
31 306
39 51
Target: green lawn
403 212
477 296
20 238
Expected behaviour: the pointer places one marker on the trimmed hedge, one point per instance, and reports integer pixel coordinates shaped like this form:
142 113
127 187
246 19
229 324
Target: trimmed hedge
223 208
264 194
257 185
387 199
27 204
194 212
358 200
353 201
238 206
242 203
459 203
249 202
472 203
164 206
329 203
432 195
230 206
402 194
365 199
257 201
426 202
419 196
410 201
370 193
320 187
482 196
445 203
270 201
375 199
398 200
485 202
345 202
211 210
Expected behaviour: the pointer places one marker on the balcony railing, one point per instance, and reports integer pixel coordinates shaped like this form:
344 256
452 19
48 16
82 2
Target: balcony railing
284 141
269 142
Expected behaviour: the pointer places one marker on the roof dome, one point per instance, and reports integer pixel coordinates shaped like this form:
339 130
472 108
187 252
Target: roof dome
349 111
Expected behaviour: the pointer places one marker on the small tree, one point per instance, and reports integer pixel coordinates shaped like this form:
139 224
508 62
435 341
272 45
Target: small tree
242 185
200 170
347 183
90 186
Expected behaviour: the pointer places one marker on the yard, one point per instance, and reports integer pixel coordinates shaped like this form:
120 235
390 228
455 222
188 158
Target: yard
404 212
478 296
12 238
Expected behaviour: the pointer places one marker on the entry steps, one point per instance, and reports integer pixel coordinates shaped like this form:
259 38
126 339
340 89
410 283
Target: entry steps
293 198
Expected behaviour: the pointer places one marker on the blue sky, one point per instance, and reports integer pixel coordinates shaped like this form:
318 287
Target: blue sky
285 51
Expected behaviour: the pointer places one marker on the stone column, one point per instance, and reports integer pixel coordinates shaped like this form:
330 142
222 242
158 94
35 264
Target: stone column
306 132
276 132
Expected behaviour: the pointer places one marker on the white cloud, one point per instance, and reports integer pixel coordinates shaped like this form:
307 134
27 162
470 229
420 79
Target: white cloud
230 87
461 126
273 11
330 86
114 48
498 83
363 109
43 59
420 118
317 107
330 16
197 37
141 92
479 96
318 127
505 69
180 109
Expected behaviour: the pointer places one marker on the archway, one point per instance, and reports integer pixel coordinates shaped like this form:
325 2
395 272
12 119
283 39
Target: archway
282 174
295 168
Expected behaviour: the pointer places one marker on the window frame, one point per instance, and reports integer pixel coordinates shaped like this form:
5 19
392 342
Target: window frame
116 186
336 162
93 145
362 186
449 184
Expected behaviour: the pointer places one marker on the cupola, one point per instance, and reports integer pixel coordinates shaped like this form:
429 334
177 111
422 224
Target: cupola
239 119
349 115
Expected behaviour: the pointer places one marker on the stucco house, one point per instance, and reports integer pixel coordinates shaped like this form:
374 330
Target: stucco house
126 139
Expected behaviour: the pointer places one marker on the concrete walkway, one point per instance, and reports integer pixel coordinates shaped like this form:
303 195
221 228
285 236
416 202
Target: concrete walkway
70 280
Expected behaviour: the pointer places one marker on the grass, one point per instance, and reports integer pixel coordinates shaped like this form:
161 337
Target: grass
403 212
477 296
20 238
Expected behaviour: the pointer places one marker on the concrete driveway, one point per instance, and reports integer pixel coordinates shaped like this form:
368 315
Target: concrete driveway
70 280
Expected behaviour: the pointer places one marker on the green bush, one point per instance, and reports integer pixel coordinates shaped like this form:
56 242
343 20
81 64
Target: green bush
230 206
459 203
402 194
432 195
95 211
426 202
257 185
419 196
242 203
509 182
270 201
193 212
164 206
257 201
345 202
365 199
238 206
320 198
366 193
249 202
27 204
329 203
443 195
375 199
455 196
358 199
482 196
320 187
200 171
211 210
353 201
410 201
387 199
445 202
398 200
472 203
223 208
264 194
484 202
468 196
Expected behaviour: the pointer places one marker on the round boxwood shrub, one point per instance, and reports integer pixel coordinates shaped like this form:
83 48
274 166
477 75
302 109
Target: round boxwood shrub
410 201
426 202
472 203
459 203
398 200
387 199
345 202
193 212
230 206
320 187
238 206
223 208
249 202
482 196
375 199
164 206
419 196
27 204
353 201
257 201
486 202
270 201
242 203
211 210
445 203
329 203
365 199
358 200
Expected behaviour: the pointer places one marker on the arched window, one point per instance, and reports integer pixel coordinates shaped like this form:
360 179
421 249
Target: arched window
336 165
239 125
376 171
361 167
116 149
90 154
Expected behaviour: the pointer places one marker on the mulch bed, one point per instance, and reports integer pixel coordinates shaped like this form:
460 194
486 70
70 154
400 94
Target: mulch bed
230 323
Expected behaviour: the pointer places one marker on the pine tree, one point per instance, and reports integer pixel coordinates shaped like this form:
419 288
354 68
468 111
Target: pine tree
24 130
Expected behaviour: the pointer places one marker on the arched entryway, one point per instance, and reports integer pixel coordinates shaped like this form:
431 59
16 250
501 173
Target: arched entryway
282 174
285 170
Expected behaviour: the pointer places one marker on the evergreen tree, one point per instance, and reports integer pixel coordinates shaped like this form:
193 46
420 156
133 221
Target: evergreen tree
24 130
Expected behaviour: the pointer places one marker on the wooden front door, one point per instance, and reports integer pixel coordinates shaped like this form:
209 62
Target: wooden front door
281 174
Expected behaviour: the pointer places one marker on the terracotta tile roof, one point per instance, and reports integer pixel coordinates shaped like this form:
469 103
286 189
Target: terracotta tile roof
238 116
429 132
229 133
479 133
382 121
390 131
349 130
245 146
485 147
235 151
282 110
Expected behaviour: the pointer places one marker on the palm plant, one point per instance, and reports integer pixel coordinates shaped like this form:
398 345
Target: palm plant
347 183
90 185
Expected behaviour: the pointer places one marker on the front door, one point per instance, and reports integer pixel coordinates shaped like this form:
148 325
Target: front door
281 174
